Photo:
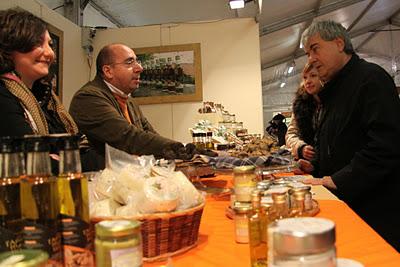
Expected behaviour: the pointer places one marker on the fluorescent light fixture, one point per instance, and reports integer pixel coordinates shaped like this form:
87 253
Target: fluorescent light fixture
282 84
291 68
235 4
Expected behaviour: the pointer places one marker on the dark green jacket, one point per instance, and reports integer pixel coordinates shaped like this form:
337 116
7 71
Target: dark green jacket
99 116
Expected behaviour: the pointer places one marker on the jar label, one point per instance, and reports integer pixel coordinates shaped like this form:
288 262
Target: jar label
10 240
39 236
127 257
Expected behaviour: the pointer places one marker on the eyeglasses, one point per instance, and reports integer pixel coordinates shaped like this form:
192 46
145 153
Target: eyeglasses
130 62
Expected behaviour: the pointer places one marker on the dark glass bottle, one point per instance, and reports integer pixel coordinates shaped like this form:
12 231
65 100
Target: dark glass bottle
12 168
39 201
74 204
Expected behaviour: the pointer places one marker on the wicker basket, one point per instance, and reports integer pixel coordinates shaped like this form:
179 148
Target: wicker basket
166 234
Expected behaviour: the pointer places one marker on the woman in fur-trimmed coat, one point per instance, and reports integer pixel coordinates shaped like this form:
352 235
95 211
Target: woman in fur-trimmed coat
305 117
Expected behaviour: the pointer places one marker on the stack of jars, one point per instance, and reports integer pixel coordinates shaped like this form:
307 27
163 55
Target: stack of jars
257 203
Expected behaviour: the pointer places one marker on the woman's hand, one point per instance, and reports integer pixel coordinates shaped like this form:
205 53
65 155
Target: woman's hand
308 152
325 181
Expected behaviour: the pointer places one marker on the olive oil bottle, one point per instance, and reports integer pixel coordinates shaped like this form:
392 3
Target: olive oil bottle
12 168
257 240
39 201
74 206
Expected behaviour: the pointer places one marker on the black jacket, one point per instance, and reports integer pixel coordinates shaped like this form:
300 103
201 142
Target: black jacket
358 144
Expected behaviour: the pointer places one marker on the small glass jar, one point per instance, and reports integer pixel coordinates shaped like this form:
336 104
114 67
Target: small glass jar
24 258
118 243
302 242
209 143
304 190
242 213
244 181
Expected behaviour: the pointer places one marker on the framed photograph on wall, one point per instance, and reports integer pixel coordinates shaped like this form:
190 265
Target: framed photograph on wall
56 69
170 74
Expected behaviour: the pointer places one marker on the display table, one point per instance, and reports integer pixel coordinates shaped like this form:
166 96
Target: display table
217 246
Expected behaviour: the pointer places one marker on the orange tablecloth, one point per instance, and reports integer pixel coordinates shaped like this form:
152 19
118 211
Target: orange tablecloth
217 246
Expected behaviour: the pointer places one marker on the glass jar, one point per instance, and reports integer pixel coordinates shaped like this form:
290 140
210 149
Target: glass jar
118 243
241 219
304 190
244 181
302 242
24 258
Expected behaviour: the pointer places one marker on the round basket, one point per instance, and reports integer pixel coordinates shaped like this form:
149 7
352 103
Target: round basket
166 234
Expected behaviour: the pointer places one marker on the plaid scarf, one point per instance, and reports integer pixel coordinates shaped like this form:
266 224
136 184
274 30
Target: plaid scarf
31 105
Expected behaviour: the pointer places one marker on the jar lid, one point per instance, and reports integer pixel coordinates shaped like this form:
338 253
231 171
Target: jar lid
244 169
298 190
264 183
117 228
242 207
302 236
23 258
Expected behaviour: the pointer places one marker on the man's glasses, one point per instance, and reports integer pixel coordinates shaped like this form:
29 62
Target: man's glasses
130 62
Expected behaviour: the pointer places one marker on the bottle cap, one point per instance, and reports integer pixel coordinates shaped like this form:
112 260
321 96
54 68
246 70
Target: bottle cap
10 144
65 141
36 143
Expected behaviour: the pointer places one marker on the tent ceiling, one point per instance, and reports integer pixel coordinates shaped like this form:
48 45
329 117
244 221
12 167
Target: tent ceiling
281 23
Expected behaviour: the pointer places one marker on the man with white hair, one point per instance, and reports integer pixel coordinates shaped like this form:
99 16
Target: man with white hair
358 135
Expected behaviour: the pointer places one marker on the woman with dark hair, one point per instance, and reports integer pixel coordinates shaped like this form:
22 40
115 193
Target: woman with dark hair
306 107
28 105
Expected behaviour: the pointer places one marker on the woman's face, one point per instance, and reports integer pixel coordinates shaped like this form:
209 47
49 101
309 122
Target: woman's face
34 64
311 82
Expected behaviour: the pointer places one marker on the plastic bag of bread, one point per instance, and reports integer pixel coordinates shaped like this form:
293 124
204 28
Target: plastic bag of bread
105 207
160 195
131 209
188 195
104 183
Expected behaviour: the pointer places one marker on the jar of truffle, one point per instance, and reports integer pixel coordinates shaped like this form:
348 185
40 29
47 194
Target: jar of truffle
241 219
118 243
245 181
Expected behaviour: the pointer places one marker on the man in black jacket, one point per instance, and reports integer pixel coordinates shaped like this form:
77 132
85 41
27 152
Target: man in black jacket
358 140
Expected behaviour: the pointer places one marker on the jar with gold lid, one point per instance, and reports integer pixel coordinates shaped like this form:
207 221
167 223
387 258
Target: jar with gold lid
242 212
118 243
244 181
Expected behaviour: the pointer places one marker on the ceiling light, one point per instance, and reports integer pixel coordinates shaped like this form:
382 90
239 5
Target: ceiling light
301 45
235 4
291 67
282 84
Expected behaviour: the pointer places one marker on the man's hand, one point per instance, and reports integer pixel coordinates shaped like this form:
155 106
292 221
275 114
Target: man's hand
325 181
308 152
305 166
